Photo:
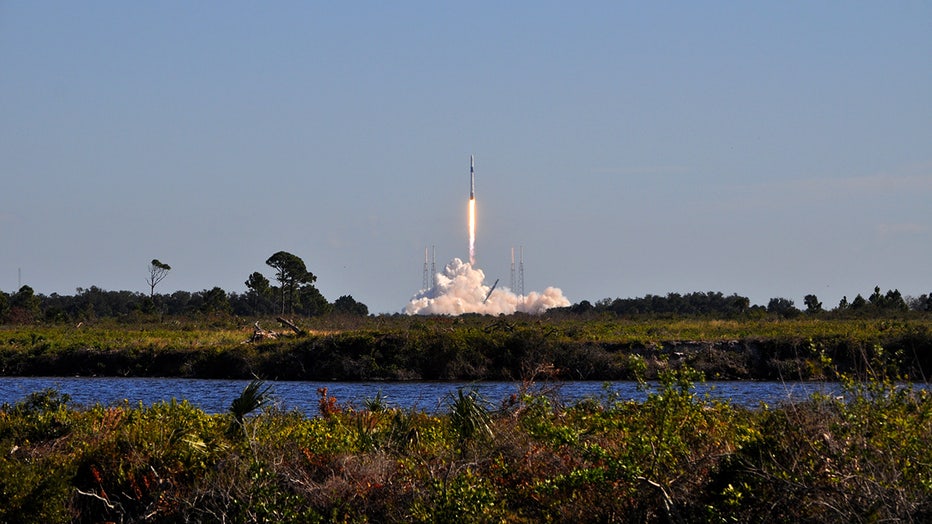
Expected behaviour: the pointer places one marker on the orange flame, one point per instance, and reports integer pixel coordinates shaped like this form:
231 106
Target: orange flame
472 231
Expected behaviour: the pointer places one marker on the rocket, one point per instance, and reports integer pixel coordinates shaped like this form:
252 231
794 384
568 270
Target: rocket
472 179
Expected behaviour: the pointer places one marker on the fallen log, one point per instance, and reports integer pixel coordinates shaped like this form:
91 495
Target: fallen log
290 325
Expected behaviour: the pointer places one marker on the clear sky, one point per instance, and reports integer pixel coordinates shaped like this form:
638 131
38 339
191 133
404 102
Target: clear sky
769 149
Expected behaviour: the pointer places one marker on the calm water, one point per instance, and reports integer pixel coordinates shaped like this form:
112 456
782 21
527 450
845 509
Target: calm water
215 396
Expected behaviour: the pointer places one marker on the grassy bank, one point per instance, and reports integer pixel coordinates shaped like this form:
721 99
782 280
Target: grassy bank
474 348
676 457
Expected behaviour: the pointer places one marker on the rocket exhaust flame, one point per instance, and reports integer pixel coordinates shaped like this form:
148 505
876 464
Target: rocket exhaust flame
472 231
472 212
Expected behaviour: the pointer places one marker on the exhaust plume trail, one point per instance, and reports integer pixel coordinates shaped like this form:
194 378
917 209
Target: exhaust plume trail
472 212
472 231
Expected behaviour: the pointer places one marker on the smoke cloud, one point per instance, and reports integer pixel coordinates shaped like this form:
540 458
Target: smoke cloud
460 289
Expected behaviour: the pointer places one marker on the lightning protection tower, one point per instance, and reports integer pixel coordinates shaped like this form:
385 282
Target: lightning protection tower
433 266
521 272
426 272
513 282
431 270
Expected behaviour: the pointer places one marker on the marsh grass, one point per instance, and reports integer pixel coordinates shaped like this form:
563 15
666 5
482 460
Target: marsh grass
471 348
109 334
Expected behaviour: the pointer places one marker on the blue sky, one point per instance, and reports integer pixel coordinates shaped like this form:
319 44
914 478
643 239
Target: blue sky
768 149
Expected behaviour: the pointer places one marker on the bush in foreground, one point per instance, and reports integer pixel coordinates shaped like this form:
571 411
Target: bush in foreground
675 457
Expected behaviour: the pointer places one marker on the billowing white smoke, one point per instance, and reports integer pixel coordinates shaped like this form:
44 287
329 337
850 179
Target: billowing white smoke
460 289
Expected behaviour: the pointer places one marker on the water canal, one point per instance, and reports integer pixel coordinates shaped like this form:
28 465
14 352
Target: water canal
215 396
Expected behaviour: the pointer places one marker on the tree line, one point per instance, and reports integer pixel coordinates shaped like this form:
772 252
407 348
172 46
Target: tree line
294 294
716 304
